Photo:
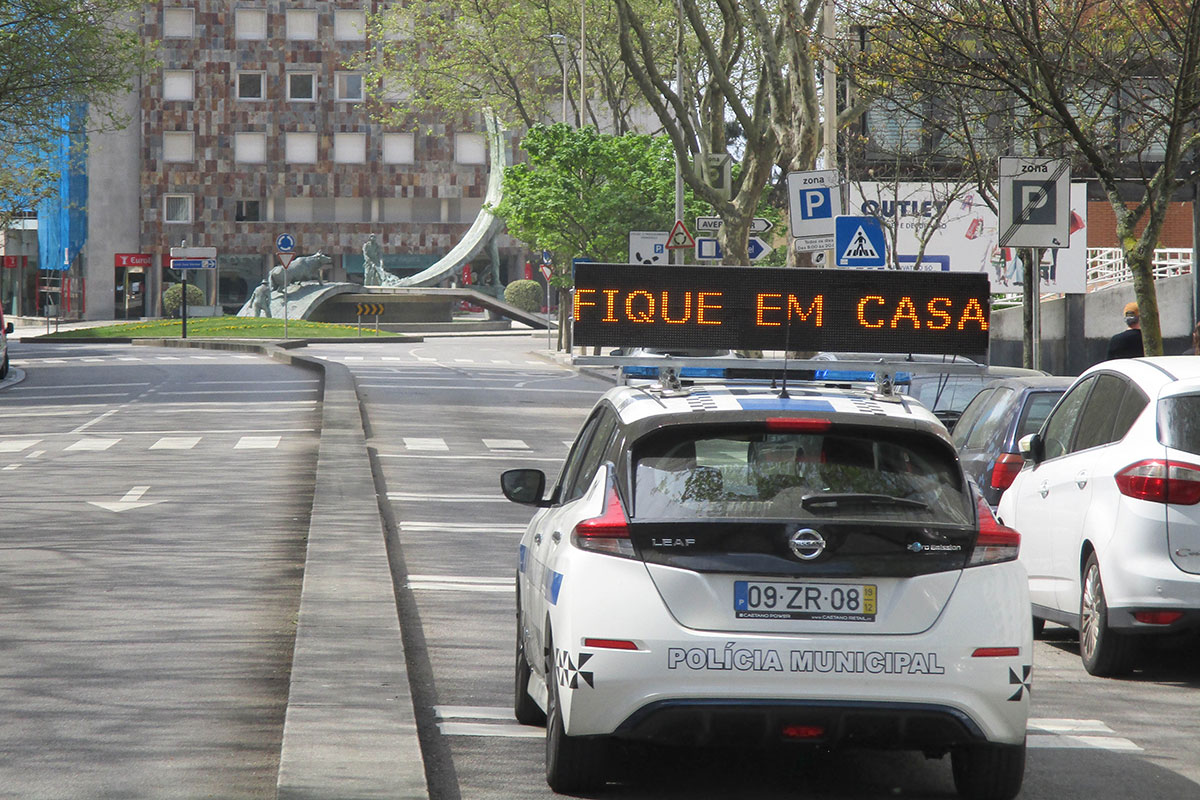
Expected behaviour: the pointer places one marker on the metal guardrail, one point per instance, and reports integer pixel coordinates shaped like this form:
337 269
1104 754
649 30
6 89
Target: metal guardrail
1106 267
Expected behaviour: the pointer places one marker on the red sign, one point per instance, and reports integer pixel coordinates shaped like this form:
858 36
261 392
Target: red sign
528 271
285 258
15 262
547 270
131 260
467 275
680 237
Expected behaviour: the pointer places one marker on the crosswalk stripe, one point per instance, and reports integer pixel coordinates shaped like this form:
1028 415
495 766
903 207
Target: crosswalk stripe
1071 742
1049 725
412 443
473 712
512 730
415 525
257 443
176 443
505 444
92 444
16 445
417 497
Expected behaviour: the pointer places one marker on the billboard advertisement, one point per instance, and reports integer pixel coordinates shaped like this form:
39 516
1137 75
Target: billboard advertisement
961 234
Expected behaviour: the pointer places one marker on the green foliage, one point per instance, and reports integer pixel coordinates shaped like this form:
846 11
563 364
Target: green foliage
581 192
55 54
525 295
173 298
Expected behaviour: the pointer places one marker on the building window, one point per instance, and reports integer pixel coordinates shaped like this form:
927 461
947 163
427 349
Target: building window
398 148
298 209
349 25
248 211
350 148
250 148
251 23
178 146
302 86
397 28
250 85
177 208
349 86
394 91
178 23
469 148
300 148
351 209
302 24
178 84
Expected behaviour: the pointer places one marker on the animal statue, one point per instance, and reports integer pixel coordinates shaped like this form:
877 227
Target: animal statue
304 268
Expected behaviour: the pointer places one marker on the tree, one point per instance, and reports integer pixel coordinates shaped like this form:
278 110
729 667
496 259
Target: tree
749 85
55 54
1114 85
581 192
453 57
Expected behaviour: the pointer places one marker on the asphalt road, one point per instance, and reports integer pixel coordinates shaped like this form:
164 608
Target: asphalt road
153 508
448 415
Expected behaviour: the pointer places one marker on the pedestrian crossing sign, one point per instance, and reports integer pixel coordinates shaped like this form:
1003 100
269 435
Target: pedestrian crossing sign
859 242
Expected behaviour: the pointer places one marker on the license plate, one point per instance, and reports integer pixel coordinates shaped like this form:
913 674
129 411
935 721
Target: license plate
833 602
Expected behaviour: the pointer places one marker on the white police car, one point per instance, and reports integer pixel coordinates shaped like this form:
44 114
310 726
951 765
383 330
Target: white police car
723 565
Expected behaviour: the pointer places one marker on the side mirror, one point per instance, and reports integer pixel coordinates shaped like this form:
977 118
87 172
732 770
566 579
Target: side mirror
8 327
1031 447
525 486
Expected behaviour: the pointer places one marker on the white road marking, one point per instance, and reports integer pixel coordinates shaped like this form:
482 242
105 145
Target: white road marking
459 527
166 358
500 361
474 712
257 443
131 500
1065 742
1048 725
176 443
497 457
352 358
513 730
505 444
129 358
464 361
12 466
456 583
16 445
92 444
591 392
414 497
94 420
425 444
35 453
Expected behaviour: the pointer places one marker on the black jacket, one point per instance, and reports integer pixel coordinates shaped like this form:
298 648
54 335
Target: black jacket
1126 344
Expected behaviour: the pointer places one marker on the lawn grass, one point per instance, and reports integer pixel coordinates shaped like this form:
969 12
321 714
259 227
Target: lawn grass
218 327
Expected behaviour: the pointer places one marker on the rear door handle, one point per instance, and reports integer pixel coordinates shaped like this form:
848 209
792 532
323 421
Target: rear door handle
556 537
537 538
1081 478
1044 489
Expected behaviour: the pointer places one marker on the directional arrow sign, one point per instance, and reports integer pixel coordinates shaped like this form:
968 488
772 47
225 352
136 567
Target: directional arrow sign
131 500
708 249
714 224
758 248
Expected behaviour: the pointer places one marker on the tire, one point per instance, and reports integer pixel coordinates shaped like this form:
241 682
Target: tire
574 764
1105 652
1039 627
988 771
525 708
4 368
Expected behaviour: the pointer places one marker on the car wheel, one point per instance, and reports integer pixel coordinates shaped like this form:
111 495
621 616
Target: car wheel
574 764
4 367
1104 651
1039 627
988 771
525 709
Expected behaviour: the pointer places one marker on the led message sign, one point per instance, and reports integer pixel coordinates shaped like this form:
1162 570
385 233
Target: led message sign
760 308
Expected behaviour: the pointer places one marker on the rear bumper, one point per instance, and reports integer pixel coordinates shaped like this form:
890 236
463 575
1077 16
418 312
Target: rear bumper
881 725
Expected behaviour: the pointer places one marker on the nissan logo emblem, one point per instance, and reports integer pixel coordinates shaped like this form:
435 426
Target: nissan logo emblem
806 544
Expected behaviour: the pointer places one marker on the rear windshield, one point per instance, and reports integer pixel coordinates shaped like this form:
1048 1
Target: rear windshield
946 392
749 472
1179 422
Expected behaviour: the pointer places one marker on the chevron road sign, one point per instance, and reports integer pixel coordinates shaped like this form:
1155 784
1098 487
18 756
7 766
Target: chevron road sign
370 309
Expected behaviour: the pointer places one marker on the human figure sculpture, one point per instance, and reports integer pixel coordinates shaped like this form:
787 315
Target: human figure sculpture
260 300
373 272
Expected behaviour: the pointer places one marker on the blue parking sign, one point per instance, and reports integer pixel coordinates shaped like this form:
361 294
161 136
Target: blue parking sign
816 203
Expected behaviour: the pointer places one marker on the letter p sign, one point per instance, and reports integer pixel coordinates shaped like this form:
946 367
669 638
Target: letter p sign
1033 202
815 204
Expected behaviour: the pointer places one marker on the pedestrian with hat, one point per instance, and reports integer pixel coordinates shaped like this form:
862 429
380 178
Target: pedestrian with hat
1128 343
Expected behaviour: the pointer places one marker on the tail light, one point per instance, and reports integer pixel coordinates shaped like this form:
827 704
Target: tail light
1157 617
995 543
1161 481
798 425
607 533
1005 470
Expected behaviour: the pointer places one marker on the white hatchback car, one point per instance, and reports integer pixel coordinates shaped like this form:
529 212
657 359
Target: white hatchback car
1108 505
722 565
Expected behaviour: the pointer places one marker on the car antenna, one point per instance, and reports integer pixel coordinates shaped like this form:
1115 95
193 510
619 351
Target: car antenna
787 330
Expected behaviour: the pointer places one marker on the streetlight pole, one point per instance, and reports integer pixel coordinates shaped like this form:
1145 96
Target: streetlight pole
582 65
559 37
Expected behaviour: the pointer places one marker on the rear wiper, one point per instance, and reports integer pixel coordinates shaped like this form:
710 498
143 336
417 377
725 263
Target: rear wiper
835 499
